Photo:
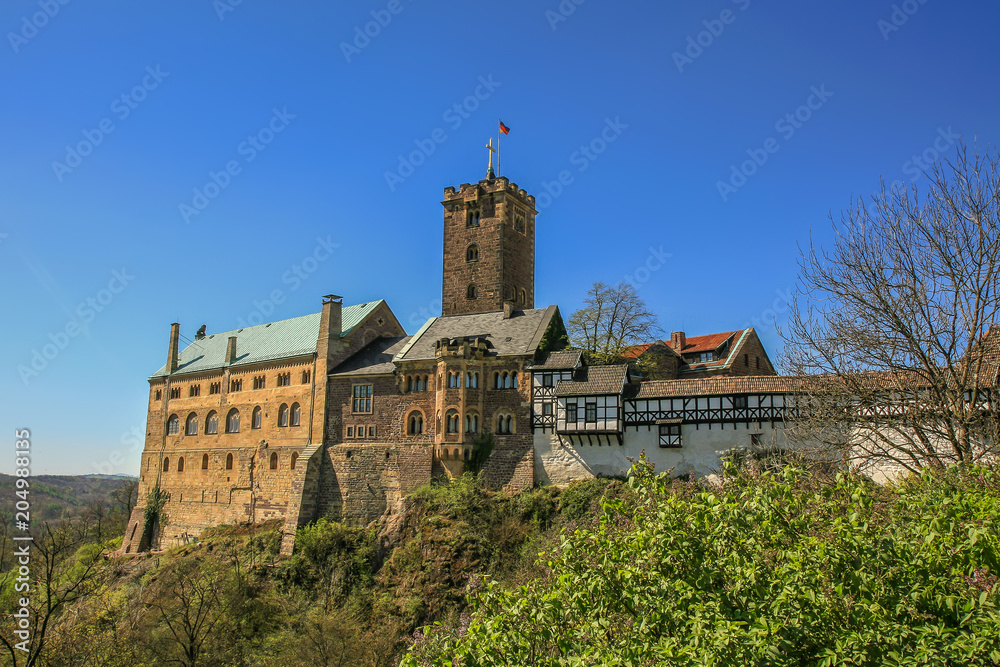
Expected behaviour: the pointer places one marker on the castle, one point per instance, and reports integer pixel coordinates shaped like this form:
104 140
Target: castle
341 414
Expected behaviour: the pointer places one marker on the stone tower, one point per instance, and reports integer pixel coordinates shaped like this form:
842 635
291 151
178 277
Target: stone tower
489 247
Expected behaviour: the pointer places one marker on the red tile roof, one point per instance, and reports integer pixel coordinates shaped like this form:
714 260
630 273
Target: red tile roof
717 386
706 343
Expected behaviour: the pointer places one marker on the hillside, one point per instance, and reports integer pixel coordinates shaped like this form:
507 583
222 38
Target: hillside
55 497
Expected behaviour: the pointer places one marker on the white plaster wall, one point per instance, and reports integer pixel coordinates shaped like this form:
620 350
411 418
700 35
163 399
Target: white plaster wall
701 451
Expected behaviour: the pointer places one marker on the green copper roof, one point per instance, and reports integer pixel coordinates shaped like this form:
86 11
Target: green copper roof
264 342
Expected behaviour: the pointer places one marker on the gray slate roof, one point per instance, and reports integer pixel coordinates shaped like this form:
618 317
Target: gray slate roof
559 361
599 380
293 337
518 335
373 359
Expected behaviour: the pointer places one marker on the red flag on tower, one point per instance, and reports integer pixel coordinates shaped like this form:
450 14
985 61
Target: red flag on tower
504 128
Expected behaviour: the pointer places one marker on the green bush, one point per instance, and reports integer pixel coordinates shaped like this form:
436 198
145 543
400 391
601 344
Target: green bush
773 569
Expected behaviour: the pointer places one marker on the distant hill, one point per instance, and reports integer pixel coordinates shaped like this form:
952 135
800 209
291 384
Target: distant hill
59 496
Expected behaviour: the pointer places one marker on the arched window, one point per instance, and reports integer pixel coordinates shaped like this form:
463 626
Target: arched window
296 414
513 380
180 464
204 461
274 461
505 424
415 423
466 454
472 219
295 458
457 455
283 415
173 425
191 427
472 253
472 423
166 465
256 417
452 421
212 423
409 383
524 296
229 461
506 380
470 292
472 380
233 421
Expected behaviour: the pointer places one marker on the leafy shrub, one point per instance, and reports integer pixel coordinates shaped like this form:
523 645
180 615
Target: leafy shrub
579 499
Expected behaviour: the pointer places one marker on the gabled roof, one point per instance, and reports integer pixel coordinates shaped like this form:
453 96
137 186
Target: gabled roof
555 361
374 358
719 385
518 335
283 339
596 381
707 343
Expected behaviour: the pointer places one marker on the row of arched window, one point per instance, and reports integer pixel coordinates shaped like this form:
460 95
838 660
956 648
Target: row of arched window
471 292
416 382
505 380
415 423
287 416
272 462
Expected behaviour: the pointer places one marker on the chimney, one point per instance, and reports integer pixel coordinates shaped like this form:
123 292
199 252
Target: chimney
678 341
231 350
175 334
508 309
333 307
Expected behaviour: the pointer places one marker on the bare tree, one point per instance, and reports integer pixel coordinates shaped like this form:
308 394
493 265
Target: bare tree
613 318
892 324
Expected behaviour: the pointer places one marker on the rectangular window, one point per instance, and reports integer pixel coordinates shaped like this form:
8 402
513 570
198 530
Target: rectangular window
740 402
571 416
546 409
670 435
591 414
350 431
371 431
362 399
547 380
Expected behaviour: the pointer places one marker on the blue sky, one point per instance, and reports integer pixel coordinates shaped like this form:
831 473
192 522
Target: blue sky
187 162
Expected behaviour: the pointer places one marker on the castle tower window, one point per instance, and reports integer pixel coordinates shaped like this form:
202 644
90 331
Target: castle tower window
166 465
191 427
212 423
472 423
256 417
472 380
233 421
524 296
505 424
423 385
452 420
472 218
295 459
180 464
519 221
472 253
296 414
283 414
229 461
274 461
194 390
415 423
362 399
173 425
204 461
470 292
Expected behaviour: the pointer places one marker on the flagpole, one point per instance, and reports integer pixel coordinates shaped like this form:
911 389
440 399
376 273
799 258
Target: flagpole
498 148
